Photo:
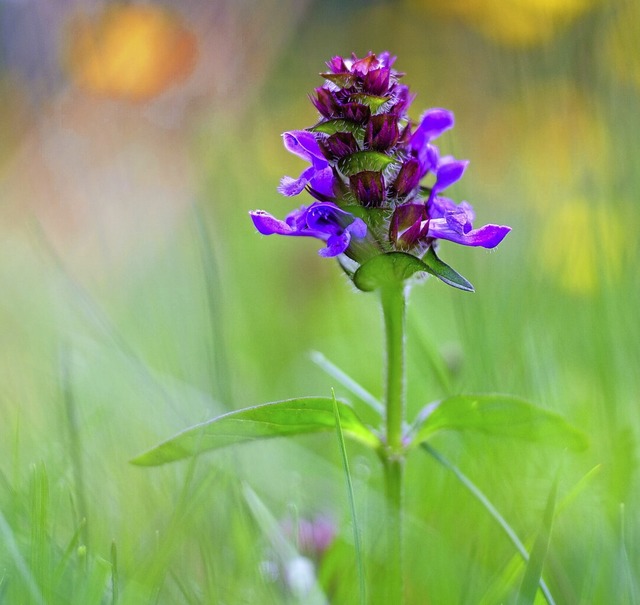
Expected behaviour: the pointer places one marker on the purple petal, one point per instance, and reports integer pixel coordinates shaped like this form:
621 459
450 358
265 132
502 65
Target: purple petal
304 145
401 99
458 221
432 124
328 218
322 182
439 206
430 157
336 244
267 224
358 228
290 186
386 59
488 236
322 220
448 173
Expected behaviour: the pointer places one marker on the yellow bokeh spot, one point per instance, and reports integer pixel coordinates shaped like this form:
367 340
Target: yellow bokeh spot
558 136
621 47
513 22
132 52
582 246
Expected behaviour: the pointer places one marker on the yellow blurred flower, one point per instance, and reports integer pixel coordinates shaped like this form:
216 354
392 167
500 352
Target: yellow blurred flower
582 246
622 52
130 51
513 22
558 137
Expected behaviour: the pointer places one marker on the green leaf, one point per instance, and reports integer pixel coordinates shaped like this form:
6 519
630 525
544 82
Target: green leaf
360 161
387 269
498 415
341 80
373 102
533 572
339 125
278 419
445 272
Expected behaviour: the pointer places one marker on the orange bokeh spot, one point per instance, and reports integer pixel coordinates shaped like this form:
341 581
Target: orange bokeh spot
131 52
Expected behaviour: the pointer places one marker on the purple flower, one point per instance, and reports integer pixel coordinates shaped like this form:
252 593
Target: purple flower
314 536
319 176
413 223
365 151
323 220
432 124
448 172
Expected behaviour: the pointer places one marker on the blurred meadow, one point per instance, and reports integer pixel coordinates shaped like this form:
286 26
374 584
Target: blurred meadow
137 300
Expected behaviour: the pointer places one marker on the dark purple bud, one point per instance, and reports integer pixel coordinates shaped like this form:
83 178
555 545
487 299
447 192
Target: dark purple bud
339 145
402 98
326 103
376 82
362 66
356 112
382 132
337 65
405 135
368 186
408 177
409 224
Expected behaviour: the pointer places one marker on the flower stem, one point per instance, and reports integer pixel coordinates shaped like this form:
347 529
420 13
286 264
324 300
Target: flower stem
393 309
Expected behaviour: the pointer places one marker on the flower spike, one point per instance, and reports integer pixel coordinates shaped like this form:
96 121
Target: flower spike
366 160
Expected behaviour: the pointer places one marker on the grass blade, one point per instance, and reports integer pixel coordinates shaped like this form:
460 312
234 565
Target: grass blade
9 541
75 445
477 493
352 504
533 572
347 382
114 574
219 362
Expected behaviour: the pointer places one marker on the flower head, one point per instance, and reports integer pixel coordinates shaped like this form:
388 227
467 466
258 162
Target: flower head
367 161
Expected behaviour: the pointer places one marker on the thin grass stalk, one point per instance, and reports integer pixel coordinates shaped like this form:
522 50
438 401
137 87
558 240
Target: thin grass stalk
352 505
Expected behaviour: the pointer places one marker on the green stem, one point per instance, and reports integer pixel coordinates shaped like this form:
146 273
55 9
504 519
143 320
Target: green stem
393 308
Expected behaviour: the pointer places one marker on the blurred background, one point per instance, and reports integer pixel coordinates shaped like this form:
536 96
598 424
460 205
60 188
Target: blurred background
137 298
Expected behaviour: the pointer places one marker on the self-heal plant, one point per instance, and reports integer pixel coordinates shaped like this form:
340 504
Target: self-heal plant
368 165
375 182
